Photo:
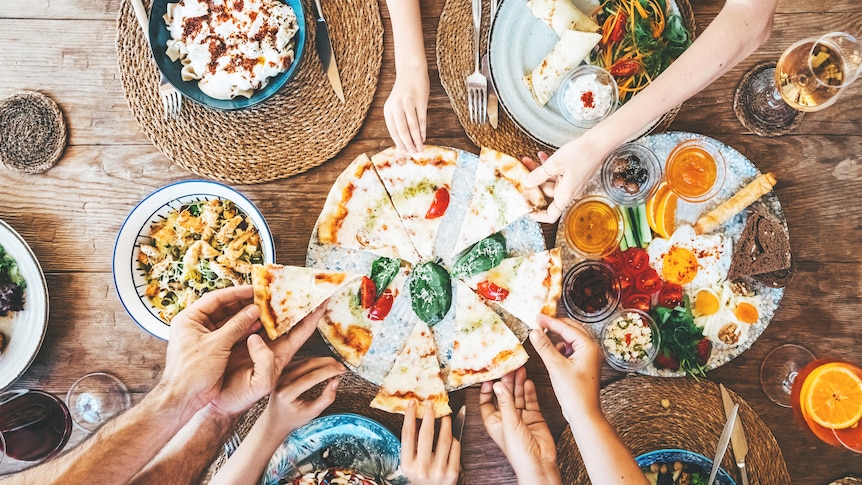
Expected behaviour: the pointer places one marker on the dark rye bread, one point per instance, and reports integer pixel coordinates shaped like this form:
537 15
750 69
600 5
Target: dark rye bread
763 247
777 279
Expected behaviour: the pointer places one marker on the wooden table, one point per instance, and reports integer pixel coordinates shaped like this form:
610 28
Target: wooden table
71 214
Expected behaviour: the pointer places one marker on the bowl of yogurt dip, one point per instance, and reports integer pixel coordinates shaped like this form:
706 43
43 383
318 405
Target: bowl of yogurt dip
587 95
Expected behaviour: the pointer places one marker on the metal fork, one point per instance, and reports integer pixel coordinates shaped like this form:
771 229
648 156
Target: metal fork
477 84
171 98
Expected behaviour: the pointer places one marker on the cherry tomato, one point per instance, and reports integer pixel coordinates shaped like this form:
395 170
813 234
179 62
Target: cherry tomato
638 301
367 292
491 291
439 204
625 68
670 296
614 260
382 306
636 260
627 283
619 27
648 282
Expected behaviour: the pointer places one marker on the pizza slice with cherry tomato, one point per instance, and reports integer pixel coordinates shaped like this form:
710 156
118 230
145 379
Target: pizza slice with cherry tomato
420 186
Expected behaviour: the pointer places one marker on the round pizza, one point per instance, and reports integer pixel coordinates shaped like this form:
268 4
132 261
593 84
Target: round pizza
432 273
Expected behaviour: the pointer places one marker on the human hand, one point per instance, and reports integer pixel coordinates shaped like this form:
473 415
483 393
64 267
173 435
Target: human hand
286 411
574 366
516 424
406 110
420 464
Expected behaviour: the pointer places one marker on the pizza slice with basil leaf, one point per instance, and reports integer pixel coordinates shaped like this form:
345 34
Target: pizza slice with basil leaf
286 294
430 292
356 313
358 214
524 286
485 348
499 197
419 185
414 377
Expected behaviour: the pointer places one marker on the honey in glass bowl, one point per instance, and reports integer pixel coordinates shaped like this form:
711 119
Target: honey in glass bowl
593 227
695 170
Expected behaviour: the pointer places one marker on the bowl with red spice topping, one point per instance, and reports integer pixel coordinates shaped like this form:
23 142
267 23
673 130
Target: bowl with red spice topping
587 95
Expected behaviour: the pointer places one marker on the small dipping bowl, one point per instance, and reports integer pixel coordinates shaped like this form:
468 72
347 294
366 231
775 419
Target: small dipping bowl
695 170
614 339
631 174
591 292
593 227
587 95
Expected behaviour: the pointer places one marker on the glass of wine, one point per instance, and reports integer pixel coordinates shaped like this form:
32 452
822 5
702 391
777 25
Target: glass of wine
809 76
35 425
95 398
780 369
827 399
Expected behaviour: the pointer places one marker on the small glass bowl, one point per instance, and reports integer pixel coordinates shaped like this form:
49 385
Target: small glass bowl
625 365
712 151
648 161
579 277
574 105
593 205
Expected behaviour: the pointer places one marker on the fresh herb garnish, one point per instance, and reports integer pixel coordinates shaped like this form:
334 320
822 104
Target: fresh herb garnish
484 255
383 271
679 337
12 285
430 292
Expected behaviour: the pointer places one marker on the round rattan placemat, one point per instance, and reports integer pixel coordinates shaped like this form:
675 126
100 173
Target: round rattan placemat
455 61
32 132
693 422
298 128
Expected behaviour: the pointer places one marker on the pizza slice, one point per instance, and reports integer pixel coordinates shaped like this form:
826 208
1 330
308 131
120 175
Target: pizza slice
420 186
286 294
524 286
485 348
356 313
358 214
415 376
499 197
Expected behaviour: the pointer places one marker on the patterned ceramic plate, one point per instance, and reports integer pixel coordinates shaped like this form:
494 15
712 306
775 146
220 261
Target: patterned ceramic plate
686 458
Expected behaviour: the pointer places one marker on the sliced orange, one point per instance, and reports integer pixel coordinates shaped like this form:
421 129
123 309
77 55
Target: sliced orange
832 396
652 204
665 218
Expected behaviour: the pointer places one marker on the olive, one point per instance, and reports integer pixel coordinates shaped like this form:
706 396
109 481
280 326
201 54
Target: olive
619 165
619 182
632 187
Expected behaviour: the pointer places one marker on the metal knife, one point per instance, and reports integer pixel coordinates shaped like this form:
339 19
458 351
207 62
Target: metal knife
737 437
327 56
458 424
486 71
722 443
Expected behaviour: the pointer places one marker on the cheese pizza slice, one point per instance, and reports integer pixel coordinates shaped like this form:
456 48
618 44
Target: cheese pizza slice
352 319
415 376
485 348
524 286
358 214
499 197
286 294
420 186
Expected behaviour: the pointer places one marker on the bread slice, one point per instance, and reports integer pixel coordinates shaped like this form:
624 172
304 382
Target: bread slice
763 247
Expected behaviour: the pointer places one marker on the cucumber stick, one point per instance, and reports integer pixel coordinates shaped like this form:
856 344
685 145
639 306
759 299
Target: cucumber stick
628 234
645 233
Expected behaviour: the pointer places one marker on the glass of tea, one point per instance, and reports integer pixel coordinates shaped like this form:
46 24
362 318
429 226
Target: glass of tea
593 227
827 399
695 170
35 425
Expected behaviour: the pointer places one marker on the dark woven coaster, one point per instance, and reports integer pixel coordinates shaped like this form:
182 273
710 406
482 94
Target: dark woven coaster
742 102
32 132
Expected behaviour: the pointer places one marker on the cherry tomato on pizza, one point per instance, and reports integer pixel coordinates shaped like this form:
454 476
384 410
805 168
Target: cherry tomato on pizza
492 292
382 306
439 204
367 292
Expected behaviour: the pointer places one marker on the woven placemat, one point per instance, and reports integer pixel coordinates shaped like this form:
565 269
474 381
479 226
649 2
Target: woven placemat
455 61
32 132
298 128
693 422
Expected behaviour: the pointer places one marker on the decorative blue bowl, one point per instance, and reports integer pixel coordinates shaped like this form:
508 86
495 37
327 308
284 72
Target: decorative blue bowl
684 456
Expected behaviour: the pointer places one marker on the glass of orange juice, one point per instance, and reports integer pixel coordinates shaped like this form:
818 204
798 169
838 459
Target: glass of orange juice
695 170
593 227
827 399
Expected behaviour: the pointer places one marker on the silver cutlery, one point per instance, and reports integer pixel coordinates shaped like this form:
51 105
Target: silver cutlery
327 56
722 443
737 436
477 84
458 424
171 98
493 106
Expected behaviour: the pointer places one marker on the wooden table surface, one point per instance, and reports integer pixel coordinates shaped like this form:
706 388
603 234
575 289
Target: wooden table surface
70 215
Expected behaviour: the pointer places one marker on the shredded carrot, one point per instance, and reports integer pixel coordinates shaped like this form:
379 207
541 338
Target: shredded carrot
643 13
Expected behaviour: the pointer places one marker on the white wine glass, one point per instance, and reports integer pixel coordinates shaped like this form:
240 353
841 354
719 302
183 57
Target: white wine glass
809 76
780 368
96 398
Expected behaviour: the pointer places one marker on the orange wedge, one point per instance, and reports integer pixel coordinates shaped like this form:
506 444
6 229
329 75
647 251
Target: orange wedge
652 204
665 217
832 396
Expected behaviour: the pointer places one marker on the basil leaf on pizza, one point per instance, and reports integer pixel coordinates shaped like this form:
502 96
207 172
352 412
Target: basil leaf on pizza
430 292
484 255
383 271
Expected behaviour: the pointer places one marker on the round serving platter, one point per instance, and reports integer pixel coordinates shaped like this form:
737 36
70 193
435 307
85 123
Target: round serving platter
740 171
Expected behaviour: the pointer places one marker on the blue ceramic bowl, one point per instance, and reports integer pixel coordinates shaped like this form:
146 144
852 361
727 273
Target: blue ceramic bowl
159 36
345 441
684 456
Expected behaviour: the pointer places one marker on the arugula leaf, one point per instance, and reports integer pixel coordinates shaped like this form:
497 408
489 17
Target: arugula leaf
484 255
430 292
383 271
9 270
680 336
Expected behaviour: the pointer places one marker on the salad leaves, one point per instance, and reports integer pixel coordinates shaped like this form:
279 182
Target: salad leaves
680 337
12 285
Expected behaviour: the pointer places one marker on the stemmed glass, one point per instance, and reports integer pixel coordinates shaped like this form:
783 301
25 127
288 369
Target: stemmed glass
779 370
809 76
95 398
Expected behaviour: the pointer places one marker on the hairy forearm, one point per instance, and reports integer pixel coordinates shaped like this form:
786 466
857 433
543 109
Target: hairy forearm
607 459
407 35
187 456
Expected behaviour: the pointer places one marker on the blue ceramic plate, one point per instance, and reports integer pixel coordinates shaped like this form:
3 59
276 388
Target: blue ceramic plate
159 36
347 441
685 457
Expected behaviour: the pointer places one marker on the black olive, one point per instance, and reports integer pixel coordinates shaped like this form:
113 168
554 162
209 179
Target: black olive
641 175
